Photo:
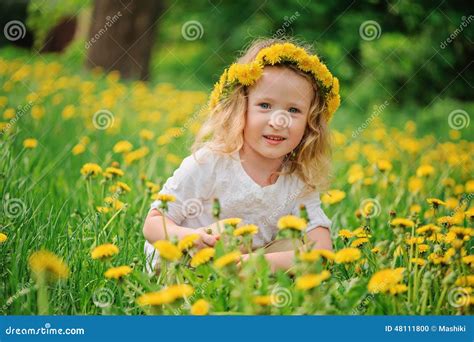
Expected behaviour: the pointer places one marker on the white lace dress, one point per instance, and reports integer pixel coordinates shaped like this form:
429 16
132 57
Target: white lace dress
207 175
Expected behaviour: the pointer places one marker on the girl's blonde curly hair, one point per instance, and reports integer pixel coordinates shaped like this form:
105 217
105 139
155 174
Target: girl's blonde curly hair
222 132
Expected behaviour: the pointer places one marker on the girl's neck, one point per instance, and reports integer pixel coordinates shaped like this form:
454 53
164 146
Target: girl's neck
262 170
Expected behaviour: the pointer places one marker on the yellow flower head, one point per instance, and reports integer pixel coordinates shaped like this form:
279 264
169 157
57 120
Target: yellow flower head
91 170
333 196
188 242
308 281
118 272
123 146
45 262
104 251
227 259
200 308
402 222
233 221
316 254
30 143
202 256
249 229
165 198
165 296
112 172
291 222
280 53
3 237
168 250
383 281
347 255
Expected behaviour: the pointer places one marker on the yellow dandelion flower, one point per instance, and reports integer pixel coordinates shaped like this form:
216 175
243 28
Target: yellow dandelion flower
383 280
468 259
233 221
402 222
122 146
165 198
384 165
180 290
249 229
78 149
146 134
418 261
112 172
3 238
308 281
359 242
415 208
118 272
345 234
415 185
347 255
91 170
398 288
264 300
291 222
188 241
168 250
45 262
227 259
202 256
465 281
104 251
333 196
425 170
155 298
200 308
30 143
435 202
423 248
428 228
375 250
120 187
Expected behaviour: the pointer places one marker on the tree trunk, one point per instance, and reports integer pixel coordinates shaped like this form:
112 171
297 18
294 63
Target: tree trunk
121 36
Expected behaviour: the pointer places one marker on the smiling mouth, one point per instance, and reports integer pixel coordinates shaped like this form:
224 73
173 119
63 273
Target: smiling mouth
274 137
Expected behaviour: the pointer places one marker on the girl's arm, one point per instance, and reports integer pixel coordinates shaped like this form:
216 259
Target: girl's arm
284 260
153 230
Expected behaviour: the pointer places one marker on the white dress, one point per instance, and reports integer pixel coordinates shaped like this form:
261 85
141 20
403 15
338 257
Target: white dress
208 175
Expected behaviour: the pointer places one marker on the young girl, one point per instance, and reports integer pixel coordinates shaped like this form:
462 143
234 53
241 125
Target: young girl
263 152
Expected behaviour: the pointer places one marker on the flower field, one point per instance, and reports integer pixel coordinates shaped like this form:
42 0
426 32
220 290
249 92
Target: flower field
83 155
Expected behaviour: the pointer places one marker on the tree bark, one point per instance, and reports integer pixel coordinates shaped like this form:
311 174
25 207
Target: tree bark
121 36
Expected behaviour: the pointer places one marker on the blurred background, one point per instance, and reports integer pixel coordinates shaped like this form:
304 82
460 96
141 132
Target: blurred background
413 56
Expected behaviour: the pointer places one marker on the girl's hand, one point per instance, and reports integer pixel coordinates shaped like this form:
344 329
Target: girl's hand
206 239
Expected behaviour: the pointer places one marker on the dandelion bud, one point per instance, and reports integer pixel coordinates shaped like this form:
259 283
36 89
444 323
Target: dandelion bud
216 209
393 213
304 213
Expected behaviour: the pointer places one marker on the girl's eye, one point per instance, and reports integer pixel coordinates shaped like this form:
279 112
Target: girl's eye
293 110
264 105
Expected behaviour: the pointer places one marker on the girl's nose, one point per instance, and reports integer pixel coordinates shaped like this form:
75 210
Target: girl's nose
280 119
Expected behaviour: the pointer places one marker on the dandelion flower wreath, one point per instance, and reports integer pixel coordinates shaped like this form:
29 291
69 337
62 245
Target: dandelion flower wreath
279 53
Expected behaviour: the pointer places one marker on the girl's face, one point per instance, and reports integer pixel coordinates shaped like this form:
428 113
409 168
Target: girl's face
277 111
